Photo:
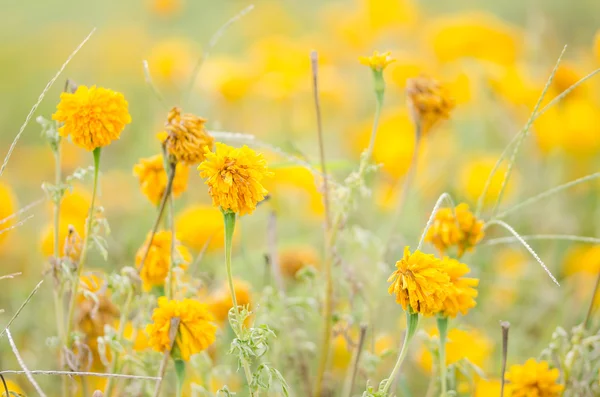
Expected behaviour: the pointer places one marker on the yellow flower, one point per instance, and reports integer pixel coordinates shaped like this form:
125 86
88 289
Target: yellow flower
341 355
200 224
469 36
135 335
185 137
429 102
196 331
468 344
462 294
486 388
171 60
93 117
582 259
420 282
474 174
156 266
597 45
234 178
166 7
534 379
378 62
293 259
457 228
153 178
8 206
221 301
12 387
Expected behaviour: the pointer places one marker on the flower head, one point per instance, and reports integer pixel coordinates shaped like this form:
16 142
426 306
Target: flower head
153 178
195 332
534 379
457 227
420 282
377 61
234 178
185 137
462 293
429 102
200 227
93 117
156 265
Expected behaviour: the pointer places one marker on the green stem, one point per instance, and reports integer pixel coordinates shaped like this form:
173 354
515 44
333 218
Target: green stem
412 321
229 221
122 323
85 248
180 372
442 325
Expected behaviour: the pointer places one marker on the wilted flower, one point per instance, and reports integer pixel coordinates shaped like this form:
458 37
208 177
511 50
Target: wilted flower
429 102
73 245
234 178
462 293
185 137
378 62
420 282
534 379
156 265
93 117
457 227
153 178
195 333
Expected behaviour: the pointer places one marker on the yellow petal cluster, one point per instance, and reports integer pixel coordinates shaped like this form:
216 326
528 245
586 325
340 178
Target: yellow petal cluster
420 282
462 293
377 61
459 228
234 177
196 330
156 266
153 178
93 117
185 137
534 379
429 102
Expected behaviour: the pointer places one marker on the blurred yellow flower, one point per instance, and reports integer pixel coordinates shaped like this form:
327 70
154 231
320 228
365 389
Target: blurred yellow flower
582 259
153 178
404 68
229 77
293 259
221 301
295 185
12 387
566 75
534 379
135 335
234 177
341 355
485 388
185 137
468 344
165 7
515 86
156 267
172 60
474 174
93 116
378 62
8 206
462 293
196 331
420 282
455 227
429 102
596 46
198 225
469 36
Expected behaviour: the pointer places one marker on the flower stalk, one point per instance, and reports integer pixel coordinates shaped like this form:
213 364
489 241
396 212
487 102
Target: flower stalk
412 322
442 326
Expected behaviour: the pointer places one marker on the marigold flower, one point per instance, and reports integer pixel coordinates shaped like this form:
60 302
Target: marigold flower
153 178
199 225
470 343
294 259
457 228
221 301
534 379
8 204
378 62
429 102
196 331
420 282
185 137
462 294
93 117
156 266
234 178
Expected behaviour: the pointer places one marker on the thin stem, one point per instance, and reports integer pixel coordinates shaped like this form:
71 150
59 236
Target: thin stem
162 370
20 309
442 325
6 392
180 372
122 323
169 281
314 61
588 316
84 249
353 370
273 261
412 321
505 327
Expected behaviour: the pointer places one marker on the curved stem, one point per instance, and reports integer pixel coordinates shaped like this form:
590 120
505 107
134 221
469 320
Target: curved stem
412 321
85 248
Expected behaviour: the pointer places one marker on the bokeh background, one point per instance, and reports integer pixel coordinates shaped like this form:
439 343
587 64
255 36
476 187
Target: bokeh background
495 57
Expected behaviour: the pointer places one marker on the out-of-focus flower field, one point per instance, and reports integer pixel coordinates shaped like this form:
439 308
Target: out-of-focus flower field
392 228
